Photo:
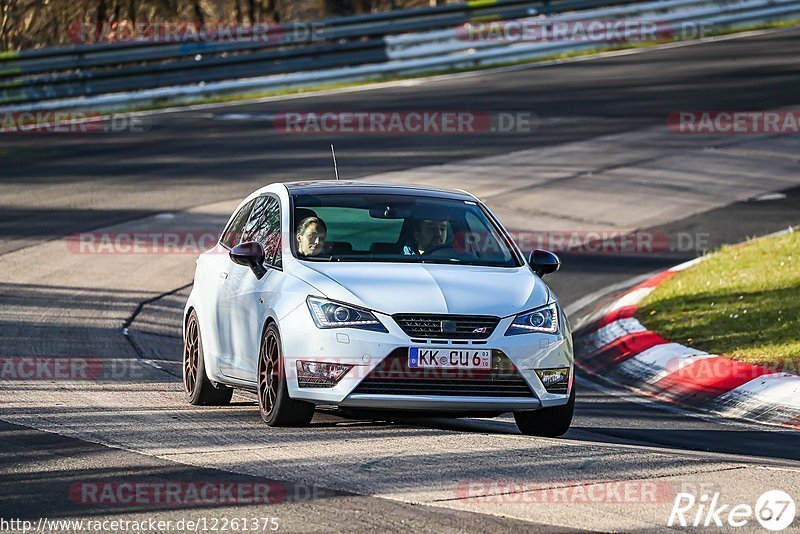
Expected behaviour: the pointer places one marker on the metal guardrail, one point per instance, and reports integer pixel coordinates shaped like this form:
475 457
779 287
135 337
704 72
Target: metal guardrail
411 45
344 49
352 22
90 70
679 12
378 24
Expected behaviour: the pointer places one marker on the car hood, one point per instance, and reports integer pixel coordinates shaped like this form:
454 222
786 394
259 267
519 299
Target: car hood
427 288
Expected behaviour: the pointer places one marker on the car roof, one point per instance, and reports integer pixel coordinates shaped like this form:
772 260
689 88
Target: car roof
320 187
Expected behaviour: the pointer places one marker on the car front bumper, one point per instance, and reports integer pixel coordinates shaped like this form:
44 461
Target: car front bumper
364 350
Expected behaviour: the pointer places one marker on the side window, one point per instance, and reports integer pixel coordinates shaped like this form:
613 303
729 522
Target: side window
232 235
264 226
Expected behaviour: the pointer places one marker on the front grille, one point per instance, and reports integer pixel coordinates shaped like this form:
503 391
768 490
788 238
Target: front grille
447 326
393 376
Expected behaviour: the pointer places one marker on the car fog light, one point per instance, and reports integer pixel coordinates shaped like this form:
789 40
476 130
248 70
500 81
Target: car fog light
554 380
320 374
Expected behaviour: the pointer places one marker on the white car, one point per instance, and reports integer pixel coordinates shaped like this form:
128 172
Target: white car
405 299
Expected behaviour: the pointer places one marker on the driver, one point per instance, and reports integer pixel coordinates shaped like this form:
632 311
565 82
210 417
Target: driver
311 234
428 234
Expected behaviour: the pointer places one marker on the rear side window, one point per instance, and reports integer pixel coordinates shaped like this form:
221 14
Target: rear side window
264 226
232 235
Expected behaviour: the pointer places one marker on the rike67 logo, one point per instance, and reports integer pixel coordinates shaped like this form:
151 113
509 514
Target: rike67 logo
774 510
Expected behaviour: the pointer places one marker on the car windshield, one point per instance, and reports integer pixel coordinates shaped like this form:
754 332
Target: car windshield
397 228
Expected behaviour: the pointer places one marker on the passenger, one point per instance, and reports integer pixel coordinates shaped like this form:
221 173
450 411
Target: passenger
311 233
428 235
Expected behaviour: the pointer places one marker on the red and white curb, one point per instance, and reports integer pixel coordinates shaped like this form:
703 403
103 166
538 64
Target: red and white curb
615 346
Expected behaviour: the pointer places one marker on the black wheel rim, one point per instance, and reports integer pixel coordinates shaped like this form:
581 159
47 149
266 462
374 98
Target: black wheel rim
191 356
268 374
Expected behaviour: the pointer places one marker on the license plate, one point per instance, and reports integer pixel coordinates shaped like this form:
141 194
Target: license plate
445 358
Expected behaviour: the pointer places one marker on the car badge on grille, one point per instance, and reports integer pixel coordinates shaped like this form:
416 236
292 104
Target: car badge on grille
481 330
448 326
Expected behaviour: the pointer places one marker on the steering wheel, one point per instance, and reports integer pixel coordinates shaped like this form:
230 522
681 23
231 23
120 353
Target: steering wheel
450 252
437 248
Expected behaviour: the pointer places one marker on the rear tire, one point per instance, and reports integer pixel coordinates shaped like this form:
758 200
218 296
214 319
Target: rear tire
198 388
274 403
547 422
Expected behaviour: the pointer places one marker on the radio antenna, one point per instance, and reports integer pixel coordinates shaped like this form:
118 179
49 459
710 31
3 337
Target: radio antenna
335 169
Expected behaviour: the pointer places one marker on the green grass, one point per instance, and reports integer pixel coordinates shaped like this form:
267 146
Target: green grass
239 97
763 26
12 83
743 302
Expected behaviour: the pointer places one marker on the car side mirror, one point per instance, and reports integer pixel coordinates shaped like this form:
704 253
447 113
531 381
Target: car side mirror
544 262
250 254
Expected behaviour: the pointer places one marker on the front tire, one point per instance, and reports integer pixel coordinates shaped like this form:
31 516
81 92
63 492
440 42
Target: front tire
547 422
274 403
198 388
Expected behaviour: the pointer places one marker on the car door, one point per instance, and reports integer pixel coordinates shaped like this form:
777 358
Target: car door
245 297
212 273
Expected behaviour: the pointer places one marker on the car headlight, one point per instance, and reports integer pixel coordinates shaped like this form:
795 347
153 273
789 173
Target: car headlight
329 314
542 320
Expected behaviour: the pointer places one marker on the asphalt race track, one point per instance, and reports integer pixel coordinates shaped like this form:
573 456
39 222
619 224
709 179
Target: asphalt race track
189 168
